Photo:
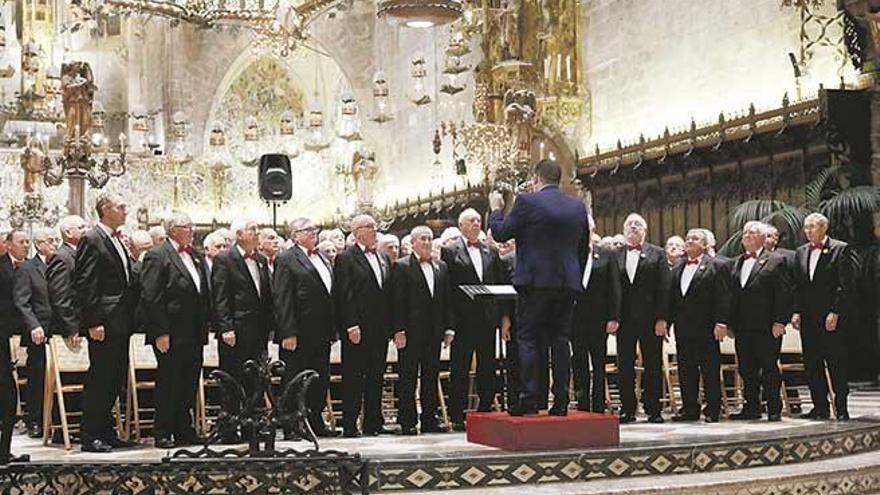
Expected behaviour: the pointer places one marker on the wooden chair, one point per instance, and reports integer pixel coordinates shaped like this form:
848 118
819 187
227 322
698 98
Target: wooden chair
60 361
19 359
731 381
671 392
792 349
441 394
141 362
334 406
611 368
210 361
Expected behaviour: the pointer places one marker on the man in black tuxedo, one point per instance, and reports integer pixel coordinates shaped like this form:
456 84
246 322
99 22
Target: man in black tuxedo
759 308
243 309
471 262
106 294
699 306
507 254
59 280
551 232
823 277
422 320
32 300
176 308
596 315
363 301
644 280
16 244
306 314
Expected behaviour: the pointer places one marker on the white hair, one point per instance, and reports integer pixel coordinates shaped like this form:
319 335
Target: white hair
701 233
675 238
43 234
710 237
174 219
817 218
468 213
635 217
212 239
450 233
68 223
239 225
419 231
139 237
361 221
297 224
386 239
759 227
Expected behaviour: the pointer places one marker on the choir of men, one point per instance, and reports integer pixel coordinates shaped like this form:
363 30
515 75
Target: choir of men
311 294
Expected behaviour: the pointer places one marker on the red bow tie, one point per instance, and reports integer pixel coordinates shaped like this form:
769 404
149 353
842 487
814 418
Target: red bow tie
693 262
250 256
476 244
637 247
117 234
748 255
369 250
816 245
314 252
185 249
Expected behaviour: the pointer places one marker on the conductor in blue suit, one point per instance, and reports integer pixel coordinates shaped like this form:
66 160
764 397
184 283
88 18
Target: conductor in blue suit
550 229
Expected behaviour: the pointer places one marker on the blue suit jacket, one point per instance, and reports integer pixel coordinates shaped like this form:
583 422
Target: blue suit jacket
550 229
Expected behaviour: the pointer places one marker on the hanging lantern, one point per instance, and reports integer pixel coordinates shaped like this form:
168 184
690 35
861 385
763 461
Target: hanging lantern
380 96
419 13
418 70
288 124
217 137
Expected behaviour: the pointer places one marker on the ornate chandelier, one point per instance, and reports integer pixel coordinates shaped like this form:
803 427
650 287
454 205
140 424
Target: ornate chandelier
420 13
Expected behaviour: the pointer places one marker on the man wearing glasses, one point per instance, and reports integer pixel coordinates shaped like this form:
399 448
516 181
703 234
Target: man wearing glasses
364 322
305 312
176 304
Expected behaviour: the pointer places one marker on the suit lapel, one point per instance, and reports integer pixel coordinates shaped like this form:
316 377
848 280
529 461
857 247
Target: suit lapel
416 267
804 259
824 258
361 258
304 260
110 250
698 275
484 255
178 263
243 269
756 268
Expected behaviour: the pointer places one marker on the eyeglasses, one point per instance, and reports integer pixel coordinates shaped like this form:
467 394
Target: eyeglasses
183 227
306 229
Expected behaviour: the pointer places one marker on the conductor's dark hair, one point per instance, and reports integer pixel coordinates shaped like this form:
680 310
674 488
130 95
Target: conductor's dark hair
548 171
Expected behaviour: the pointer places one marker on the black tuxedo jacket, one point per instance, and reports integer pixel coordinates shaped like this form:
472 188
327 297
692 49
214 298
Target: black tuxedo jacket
359 299
59 276
600 301
462 272
830 291
706 301
104 296
171 303
237 305
764 300
646 299
32 298
10 317
419 314
303 306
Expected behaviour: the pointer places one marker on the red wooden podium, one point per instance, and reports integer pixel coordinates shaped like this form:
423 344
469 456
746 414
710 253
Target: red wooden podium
543 432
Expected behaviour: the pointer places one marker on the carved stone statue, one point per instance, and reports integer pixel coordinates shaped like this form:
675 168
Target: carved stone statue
510 30
365 170
77 92
519 114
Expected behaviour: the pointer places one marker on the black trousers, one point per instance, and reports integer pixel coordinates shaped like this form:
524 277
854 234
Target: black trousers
544 317
177 381
9 397
589 343
36 381
419 362
824 350
363 371
310 356
651 346
108 360
232 359
479 338
699 356
758 352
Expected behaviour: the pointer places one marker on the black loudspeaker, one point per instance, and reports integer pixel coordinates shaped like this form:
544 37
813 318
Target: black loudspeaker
275 181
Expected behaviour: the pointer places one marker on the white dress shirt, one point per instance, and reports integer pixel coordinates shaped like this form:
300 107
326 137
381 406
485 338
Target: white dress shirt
687 275
428 271
373 259
252 267
189 264
120 249
476 258
588 270
747 268
632 262
321 268
815 254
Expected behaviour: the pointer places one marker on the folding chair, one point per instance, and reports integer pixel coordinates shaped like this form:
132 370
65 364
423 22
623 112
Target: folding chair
140 359
731 381
19 359
670 374
792 393
335 379
210 361
612 400
441 395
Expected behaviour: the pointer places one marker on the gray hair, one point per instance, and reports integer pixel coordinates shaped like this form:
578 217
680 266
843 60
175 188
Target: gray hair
239 225
450 233
213 239
675 238
701 233
176 218
710 237
361 221
818 218
140 237
421 230
386 239
326 234
755 225
68 223
298 224
468 213
635 217
43 234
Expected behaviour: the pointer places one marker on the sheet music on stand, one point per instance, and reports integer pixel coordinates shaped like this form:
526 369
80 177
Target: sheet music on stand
489 291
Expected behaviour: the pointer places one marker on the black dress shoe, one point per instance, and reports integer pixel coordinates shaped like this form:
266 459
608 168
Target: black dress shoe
431 428
118 443
459 426
35 431
351 433
656 419
486 408
521 410
774 417
560 410
409 431
681 418
327 432
230 439
290 436
97 446
188 439
843 415
375 432
164 443
711 418
627 418
816 414
745 415
12 458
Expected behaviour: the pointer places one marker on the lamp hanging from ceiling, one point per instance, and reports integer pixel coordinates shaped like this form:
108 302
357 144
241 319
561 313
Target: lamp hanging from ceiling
420 13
